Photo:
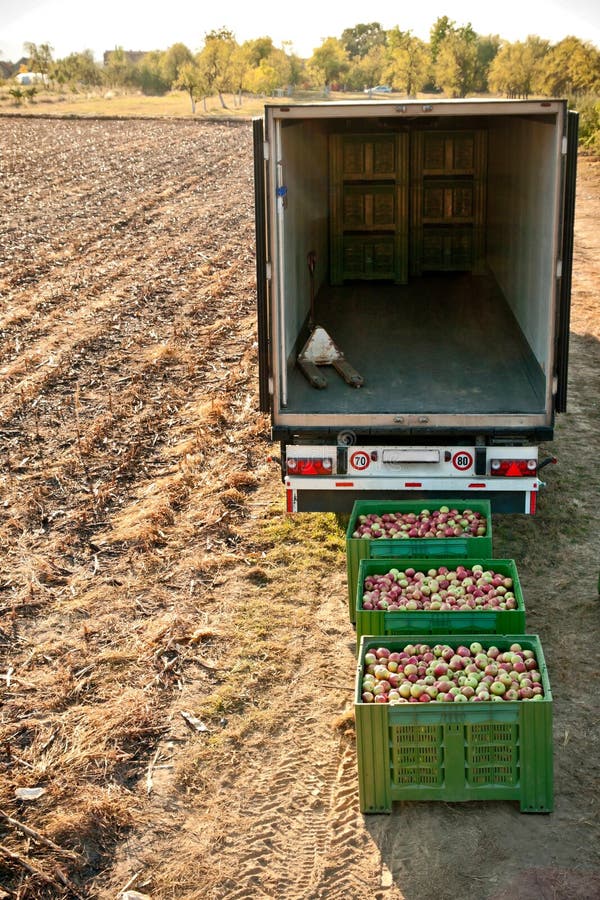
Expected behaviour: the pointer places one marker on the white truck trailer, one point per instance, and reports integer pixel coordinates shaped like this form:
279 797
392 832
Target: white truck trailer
414 274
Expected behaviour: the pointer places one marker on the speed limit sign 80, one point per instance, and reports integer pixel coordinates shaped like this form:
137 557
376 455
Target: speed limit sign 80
462 460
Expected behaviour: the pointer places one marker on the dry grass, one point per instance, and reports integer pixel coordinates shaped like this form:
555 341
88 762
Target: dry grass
175 104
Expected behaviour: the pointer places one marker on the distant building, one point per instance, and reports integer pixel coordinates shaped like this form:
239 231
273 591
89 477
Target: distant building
31 78
8 69
132 56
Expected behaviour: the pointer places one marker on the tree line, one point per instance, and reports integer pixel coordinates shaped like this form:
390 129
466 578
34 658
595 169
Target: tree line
456 61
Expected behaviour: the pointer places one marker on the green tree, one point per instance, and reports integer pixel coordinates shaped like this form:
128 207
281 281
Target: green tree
240 67
257 50
409 62
438 31
172 61
260 67
149 74
118 71
588 108
77 69
192 80
282 65
571 67
516 70
263 78
274 69
217 61
456 63
17 94
367 71
487 50
329 62
296 64
40 58
362 39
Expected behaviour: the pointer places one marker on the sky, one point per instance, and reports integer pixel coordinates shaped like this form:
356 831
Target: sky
71 26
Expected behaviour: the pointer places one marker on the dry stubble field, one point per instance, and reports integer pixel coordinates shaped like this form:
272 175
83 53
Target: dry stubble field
176 662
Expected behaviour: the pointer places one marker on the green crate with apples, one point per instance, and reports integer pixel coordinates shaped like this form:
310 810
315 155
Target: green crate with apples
397 529
442 594
453 742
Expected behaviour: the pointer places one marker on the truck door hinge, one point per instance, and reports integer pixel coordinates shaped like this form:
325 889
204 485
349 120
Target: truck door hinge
269 271
564 145
559 269
266 150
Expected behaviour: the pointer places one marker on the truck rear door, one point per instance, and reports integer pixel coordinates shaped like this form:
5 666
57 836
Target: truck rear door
564 307
262 292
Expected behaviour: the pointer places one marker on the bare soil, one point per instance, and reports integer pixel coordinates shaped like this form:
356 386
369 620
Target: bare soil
176 660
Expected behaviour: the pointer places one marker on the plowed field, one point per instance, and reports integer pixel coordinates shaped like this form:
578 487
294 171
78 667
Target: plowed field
176 660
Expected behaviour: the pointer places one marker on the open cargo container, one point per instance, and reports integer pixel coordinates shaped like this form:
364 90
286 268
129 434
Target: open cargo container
432 242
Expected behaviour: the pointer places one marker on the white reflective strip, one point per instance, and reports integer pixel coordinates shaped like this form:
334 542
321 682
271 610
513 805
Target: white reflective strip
373 483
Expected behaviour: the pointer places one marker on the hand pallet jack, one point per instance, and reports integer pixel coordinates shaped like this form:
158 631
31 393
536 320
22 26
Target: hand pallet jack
320 349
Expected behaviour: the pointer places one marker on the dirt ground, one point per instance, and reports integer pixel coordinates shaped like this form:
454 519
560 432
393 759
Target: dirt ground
176 660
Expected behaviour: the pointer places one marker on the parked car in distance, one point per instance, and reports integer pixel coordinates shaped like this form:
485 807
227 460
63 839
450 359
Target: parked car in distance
379 89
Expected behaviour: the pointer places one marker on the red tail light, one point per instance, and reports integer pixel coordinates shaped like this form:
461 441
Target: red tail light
307 466
513 468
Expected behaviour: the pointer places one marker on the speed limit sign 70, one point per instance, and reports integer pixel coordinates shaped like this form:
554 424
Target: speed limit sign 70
360 460
462 460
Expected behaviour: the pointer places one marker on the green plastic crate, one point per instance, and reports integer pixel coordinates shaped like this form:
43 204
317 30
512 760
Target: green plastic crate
422 621
455 752
393 548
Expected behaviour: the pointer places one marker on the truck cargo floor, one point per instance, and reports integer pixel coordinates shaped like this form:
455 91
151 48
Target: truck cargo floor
443 343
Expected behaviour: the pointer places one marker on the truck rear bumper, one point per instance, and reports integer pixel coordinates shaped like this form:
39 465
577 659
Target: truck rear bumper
338 494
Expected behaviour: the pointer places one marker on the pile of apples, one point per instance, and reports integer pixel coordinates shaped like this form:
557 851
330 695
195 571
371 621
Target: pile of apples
443 674
444 522
441 588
